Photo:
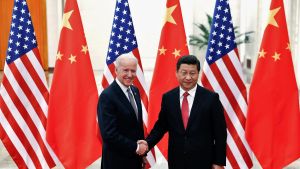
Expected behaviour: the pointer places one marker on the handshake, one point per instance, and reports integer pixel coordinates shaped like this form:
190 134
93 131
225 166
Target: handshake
142 148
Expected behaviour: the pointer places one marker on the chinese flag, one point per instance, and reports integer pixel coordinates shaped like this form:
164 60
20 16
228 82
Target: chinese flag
171 47
273 122
72 129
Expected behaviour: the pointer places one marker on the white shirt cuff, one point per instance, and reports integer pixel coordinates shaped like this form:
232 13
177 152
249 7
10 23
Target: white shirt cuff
137 148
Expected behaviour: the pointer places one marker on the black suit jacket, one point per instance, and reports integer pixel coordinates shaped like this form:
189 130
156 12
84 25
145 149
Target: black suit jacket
203 142
120 129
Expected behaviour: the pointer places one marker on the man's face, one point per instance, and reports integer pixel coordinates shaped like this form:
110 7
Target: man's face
126 72
187 76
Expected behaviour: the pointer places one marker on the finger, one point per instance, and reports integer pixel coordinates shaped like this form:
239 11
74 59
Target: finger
142 142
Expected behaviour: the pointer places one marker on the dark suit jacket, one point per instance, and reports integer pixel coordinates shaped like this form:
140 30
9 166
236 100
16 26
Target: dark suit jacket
203 142
119 128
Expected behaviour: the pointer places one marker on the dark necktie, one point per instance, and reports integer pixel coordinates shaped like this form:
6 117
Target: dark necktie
185 109
131 100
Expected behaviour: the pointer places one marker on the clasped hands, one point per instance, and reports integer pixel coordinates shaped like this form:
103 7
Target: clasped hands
143 147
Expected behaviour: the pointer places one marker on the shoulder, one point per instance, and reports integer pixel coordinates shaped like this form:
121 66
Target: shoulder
171 93
208 94
109 91
205 90
134 88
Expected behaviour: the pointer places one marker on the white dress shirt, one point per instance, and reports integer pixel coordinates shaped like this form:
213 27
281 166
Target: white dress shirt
124 89
190 97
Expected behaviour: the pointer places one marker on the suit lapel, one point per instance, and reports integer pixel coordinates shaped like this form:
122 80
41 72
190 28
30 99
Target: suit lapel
138 102
124 99
177 109
196 107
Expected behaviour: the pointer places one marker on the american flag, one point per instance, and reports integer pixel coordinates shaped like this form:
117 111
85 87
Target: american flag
123 41
24 96
222 73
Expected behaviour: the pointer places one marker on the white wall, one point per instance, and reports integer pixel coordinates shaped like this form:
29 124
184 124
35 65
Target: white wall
53 19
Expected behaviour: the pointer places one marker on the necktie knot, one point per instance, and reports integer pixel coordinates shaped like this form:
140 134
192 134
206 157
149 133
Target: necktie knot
185 94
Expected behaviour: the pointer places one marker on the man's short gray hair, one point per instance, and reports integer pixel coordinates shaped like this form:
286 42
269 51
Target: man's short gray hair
125 56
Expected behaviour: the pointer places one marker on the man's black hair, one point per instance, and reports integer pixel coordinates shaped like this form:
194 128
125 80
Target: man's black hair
188 59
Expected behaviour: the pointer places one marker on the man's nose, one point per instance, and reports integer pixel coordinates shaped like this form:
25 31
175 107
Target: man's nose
130 73
188 77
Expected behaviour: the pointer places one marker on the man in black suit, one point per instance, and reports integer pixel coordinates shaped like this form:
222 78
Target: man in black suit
120 119
195 120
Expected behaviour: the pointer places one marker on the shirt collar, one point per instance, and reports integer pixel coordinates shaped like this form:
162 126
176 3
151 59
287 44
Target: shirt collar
123 87
191 92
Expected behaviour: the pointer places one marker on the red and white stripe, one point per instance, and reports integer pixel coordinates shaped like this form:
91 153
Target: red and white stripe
23 112
225 77
109 76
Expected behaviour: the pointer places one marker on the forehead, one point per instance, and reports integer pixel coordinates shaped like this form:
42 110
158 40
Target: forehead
188 67
127 62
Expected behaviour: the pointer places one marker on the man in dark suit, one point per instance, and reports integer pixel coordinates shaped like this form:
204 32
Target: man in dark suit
194 118
120 119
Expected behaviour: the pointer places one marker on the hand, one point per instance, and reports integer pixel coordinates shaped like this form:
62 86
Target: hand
215 166
143 147
142 142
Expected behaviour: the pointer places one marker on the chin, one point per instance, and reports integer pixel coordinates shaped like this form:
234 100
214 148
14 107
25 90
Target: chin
187 88
128 84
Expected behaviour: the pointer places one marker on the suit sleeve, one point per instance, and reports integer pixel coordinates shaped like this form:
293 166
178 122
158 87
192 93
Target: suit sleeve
160 127
108 126
220 132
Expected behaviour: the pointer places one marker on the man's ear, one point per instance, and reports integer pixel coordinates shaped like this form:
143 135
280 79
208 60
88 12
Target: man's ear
176 74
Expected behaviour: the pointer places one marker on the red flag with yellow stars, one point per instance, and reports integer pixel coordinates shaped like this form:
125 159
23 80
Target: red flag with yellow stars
273 122
72 129
171 47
